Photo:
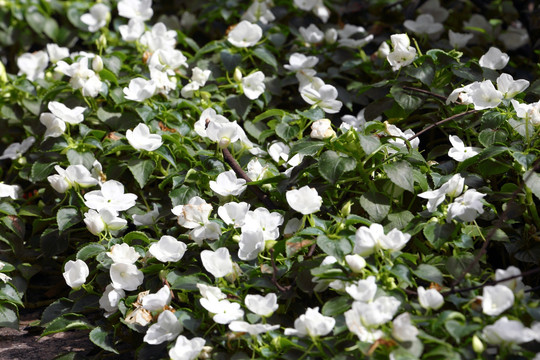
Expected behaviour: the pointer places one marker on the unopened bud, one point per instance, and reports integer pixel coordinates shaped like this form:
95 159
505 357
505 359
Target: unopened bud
477 345
3 74
237 75
97 63
355 262
346 209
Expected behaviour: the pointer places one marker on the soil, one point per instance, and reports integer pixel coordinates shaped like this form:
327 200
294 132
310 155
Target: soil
26 343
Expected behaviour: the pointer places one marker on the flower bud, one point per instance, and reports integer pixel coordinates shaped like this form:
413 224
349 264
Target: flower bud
3 75
237 75
97 63
346 209
477 345
355 262
330 35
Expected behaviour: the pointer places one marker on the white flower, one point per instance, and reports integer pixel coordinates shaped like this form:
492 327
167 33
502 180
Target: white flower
459 40
424 24
81 77
158 38
529 112
515 36
110 299
516 284
224 311
262 305
322 129
141 138
148 218
312 324
299 62
356 122
167 328
251 244
251 329
494 59
259 11
223 133
111 196
168 249
253 85
136 9
55 126
312 34
430 299
97 17
157 301
453 188
211 292
355 262
228 184
305 200
140 89
262 219
434 8
233 213
505 331
70 116
126 276
16 150
194 214
132 31
33 65
11 191
510 87
74 175
96 222
323 95
217 263
459 151
185 349
402 329
167 60
403 54
123 254
466 207
369 240
363 318
75 273
209 116
364 290
245 34
56 52
496 299
484 95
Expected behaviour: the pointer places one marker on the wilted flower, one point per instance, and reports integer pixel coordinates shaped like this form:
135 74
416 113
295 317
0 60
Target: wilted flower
322 129
167 328
312 324
168 249
245 34
75 273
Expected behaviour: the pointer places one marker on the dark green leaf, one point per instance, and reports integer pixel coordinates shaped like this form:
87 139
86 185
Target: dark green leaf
102 338
40 171
90 251
65 323
141 170
333 165
376 205
268 114
9 293
66 217
401 174
182 195
334 247
136 235
336 306
266 56
9 316
489 137
369 143
429 273
408 102
286 131
306 147
438 234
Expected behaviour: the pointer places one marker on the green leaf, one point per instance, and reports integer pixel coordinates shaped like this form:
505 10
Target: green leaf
489 137
90 251
105 74
136 235
268 114
306 147
401 174
66 217
9 316
332 165
102 338
438 234
399 220
65 323
9 293
182 195
40 171
15 224
376 205
185 282
429 273
240 104
459 330
369 143
113 64
425 72
485 154
456 264
312 114
286 131
409 103
141 170
229 60
266 56
334 247
336 306
81 158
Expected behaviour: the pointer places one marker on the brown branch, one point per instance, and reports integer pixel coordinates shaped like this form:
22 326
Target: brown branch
426 92
497 226
274 272
263 197
493 282
441 122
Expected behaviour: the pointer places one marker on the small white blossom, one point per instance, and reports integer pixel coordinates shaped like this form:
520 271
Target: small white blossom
459 151
97 17
33 65
185 349
253 85
312 324
496 299
228 184
430 299
75 273
494 59
168 249
217 263
167 328
305 200
245 34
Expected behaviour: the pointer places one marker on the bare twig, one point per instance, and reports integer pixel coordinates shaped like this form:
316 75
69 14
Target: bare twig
274 276
426 92
265 199
453 117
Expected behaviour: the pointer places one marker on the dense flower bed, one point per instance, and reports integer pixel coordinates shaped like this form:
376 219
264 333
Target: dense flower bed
276 179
